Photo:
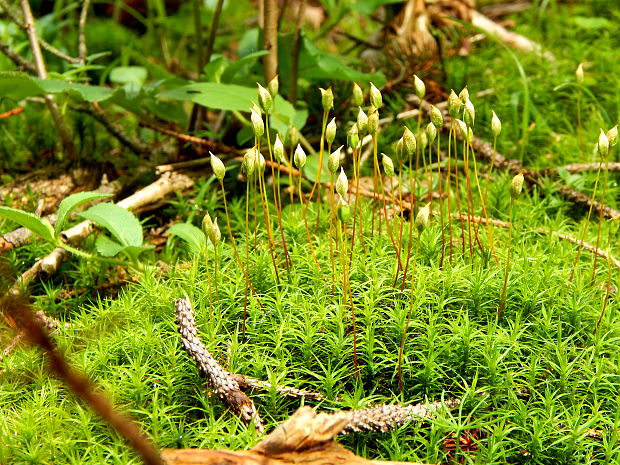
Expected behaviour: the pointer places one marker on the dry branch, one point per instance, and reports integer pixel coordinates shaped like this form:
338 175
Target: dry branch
305 438
223 383
513 39
63 131
580 167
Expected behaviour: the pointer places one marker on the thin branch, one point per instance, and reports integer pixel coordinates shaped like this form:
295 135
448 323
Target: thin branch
20 61
83 51
270 39
580 167
63 131
306 437
116 130
14 16
296 50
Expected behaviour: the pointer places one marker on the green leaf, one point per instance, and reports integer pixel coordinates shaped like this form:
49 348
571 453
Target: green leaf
367 7
190 234
18 86
71 203
591 23
314 63
124 226
40 226
311 168
235 98
132 77
234 69
109 248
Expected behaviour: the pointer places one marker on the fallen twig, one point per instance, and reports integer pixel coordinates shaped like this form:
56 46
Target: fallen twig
223 383
579 167
306 437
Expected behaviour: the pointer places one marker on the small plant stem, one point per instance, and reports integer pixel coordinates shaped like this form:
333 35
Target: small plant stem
469 199
248 283
209 292
429 171
276 196
247 253
356 180
440 187
332 222
600 214
346 294
402 221
457 190
503 299
414 199
295 51
301 199
489 174
265 208
484 208
585 226
401 350
579 128
388 228
215 263
256 193
317 182
449 188
608 288
375 183
291 185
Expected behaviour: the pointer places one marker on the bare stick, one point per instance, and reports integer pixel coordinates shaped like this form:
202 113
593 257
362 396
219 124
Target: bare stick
270 39
34 330
295 51
83 51
17 59
116 130
63 131
222 382
307 437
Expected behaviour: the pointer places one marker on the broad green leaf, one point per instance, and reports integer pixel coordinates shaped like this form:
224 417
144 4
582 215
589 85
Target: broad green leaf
71 203
109 248
40 226
235 98
190 234
19 85
311 169
215 95
594 23
367 7
127 74
233 70
124 226
314 63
